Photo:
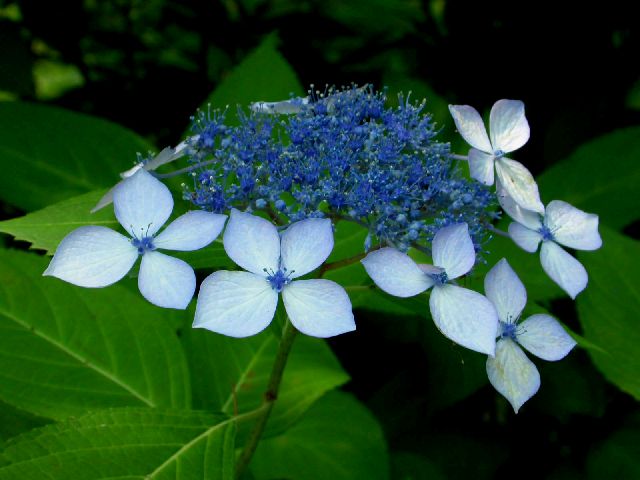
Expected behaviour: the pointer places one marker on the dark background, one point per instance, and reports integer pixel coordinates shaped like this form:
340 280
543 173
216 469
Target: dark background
148 65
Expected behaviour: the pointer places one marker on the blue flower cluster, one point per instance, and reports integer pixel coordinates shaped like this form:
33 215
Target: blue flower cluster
342 155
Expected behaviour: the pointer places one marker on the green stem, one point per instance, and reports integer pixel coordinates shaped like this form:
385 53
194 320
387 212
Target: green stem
340 263
270 396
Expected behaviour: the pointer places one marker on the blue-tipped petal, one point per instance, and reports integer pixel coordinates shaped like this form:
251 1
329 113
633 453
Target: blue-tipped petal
92 257
512 374
192 231
252 242
142 204
466 317
452 249
166 281
396 273
320 308
237 304
505 290
563 268
543 336
305 245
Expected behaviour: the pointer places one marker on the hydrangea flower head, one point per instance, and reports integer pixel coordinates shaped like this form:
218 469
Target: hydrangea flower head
509 130
510 371
95 256
243 303
561 224
462 315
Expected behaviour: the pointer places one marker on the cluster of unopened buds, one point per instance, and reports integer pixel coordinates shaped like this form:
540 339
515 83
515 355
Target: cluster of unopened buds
347 158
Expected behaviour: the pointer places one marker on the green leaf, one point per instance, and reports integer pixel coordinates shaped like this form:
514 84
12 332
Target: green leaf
263 75
45 228
48 154
126 443
616 457
65 349
411 466
337 439
602 176
233 374
608 309
14 421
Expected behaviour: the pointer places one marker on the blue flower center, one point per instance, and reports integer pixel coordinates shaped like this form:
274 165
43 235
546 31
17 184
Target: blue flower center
498 153
508 330
439 278
144 244
279 279
547 235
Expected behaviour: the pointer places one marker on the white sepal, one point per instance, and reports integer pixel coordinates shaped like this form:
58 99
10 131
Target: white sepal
505 290
524 237
527 218
481 166
563 269
305 245
508 126
452 249
512 374
396 273
319 308
572 227
237 304
142 204
543 336
471 127
166 281
252 242
466 317
92 257
192 231
519 184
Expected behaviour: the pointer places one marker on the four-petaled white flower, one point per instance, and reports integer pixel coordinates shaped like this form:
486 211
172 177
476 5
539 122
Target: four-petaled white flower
167 155
510 371
561 224
509 131
94 256
240 304
466 317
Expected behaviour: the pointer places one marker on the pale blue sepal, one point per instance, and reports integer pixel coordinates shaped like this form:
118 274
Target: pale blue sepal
305 245
142 204
466 317
396 273
505 290
92 257
192 231
236 304
252 242
166 281
319 308
543 336
452 249
512 374
563 268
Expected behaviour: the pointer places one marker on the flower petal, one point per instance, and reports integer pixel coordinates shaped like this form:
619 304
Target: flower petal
252 242
237 304
512 374
191 231
525 217
519 184
543 336
142 204
506 291
396 273
466 317
471 127
92 257
305 245
573 227
563 269
320 308
106 199
452 249
508 126
481 166
167 155
524 237
166 281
